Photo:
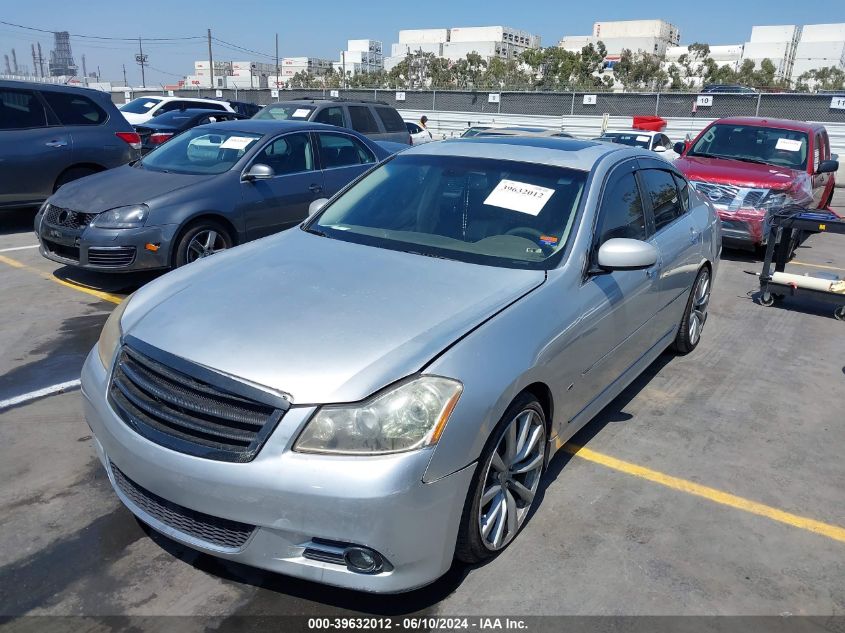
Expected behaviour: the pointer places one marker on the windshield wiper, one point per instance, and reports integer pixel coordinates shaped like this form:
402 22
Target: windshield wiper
426 254
739 158
314 232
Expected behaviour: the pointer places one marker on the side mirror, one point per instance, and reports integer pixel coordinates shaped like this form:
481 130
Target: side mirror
315 206
679 147
259 171
827 166
659 149
622 253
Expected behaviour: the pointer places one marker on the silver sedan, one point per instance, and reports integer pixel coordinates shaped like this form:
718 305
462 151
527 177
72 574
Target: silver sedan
359 400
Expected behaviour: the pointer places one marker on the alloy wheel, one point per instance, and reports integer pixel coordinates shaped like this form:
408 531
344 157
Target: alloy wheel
205 243
700 301
511 478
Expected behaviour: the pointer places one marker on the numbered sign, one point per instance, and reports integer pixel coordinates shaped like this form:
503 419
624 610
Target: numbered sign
127 95
169 93
218 93
493 97
704 101
838 103
400 96
589 99
274 93
334 93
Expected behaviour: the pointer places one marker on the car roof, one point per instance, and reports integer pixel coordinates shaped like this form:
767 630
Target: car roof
632 131
38 85
195 112
785 124
327 100
557 151
267 126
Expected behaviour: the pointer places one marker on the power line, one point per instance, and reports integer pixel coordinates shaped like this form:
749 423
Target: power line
102 37
241 48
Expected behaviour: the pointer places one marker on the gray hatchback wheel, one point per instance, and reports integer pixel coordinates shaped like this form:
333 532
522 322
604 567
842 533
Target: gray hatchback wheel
205 243
512 475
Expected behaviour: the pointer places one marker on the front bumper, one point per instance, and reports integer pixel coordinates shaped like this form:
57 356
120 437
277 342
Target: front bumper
747 227
293 498
107 250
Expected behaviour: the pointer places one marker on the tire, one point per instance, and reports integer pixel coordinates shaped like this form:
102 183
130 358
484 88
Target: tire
839 313
74 173
695 314
201 239
512 493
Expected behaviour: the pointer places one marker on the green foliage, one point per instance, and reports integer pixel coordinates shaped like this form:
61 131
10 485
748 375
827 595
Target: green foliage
830 78
640 71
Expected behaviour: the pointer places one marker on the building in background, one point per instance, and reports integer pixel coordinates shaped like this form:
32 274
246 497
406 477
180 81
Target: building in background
820 46
361 56
456 43
649 36
61 58
775 43
291 66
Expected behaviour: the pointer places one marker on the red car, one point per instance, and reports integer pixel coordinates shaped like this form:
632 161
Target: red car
751 167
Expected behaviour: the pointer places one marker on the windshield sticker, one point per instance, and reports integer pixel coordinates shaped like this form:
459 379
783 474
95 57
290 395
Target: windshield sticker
643 139
519 196
549 240
788 144
236 142
300 113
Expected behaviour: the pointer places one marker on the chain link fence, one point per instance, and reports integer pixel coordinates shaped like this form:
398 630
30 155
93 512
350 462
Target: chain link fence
802 107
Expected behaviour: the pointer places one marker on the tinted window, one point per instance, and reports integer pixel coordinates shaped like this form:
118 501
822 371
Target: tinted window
362 120
391 119
20 109
75 109
141 105
340 150
621 213
683 191
289 154
413 128
200 151
480 210
754 144
665 200
284 111
330 116
628 138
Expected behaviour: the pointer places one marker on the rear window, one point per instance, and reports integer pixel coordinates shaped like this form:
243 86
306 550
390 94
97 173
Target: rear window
633 139
391 119
285 111
75 109
362 120
140 106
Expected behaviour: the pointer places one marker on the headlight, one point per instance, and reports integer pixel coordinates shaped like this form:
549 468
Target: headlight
130 217
409 416
110 336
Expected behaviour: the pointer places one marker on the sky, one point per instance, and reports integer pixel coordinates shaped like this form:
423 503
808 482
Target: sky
321 29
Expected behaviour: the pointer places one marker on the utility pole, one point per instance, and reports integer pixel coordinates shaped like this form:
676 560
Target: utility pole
210 59
124 76
40 60
343 69
276 80
142 60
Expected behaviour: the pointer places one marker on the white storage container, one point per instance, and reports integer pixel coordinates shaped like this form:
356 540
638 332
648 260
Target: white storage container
431 36
823 33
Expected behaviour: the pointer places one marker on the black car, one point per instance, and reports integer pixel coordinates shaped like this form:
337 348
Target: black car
735 89
245 108
165 126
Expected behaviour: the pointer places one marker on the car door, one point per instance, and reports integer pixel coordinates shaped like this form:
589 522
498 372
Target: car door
364 122
331 115
675 236
342 159
618 306
821 182
282 201
34 148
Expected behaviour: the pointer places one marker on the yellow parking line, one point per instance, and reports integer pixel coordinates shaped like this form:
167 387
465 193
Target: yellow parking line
816 265
711 494
105 296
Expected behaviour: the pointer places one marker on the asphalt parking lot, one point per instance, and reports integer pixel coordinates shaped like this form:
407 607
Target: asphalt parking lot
712 485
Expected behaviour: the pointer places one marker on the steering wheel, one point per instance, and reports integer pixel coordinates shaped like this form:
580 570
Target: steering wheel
526 231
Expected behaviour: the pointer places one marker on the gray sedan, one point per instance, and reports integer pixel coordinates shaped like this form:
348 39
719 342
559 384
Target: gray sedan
380 390
202 192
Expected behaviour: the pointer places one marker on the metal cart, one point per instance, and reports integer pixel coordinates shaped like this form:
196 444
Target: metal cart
785 231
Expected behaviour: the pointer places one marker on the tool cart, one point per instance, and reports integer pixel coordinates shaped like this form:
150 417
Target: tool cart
785 232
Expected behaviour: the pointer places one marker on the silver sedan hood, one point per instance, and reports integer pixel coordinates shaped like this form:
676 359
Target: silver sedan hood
319 319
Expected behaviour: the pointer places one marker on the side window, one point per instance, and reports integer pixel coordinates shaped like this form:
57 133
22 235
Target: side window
362 120
289 154
391 119
330 116
21 109
818 152
665 200
664 140
340 150
75 109
169 106
413 128
621 211
683 191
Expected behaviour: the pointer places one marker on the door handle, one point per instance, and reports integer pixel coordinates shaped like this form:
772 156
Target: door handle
315 188
55 143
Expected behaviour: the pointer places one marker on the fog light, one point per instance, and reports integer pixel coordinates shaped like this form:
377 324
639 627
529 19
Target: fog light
362 560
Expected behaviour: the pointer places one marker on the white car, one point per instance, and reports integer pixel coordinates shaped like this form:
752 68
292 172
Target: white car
654 141
419 135
142 109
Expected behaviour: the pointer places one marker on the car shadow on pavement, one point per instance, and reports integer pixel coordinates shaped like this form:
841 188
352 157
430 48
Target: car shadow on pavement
122 283
17 220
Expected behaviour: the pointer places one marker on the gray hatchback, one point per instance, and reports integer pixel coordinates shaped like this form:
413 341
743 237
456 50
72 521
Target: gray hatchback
206 190
51 135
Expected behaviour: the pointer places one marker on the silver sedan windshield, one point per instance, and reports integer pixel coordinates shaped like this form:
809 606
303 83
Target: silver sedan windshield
480 210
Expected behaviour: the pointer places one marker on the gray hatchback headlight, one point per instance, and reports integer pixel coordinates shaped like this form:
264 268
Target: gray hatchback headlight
409 416
130 217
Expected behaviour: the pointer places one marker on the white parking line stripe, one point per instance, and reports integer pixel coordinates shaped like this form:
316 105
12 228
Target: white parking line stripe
39 393
17 248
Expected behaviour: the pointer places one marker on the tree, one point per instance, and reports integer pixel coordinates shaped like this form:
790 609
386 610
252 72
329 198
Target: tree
468 71
640 71
502 73
829 78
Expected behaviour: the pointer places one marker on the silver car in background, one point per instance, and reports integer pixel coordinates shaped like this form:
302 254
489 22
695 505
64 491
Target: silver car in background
381 388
